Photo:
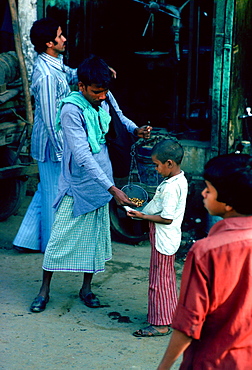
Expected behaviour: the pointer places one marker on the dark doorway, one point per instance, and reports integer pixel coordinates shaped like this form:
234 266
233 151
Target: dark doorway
139 42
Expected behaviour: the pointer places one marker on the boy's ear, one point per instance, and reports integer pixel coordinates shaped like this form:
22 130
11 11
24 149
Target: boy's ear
228 208
169 163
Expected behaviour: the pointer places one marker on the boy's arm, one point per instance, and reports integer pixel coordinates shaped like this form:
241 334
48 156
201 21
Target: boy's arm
178 344
154 218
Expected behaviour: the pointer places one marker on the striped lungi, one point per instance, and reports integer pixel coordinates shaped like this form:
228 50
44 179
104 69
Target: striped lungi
80 243
162 296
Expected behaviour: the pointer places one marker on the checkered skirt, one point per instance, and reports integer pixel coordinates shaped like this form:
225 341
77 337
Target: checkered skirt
80 243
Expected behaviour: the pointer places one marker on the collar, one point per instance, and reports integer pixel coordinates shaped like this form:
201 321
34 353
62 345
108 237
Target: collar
54 62
232 223
173 178
97 122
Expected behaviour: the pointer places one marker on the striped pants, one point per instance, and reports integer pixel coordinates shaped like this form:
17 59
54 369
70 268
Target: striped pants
35 228
162 296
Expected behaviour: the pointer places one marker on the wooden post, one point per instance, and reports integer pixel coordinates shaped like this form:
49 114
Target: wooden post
23 70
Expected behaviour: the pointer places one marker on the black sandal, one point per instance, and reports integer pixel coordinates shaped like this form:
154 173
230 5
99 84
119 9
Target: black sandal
90 300
39 304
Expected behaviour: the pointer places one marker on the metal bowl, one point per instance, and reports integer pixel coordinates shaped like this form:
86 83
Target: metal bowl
135 191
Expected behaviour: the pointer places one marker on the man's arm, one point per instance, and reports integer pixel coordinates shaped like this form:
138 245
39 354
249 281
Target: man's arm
141 132
178 344
71 75
47 95
120 197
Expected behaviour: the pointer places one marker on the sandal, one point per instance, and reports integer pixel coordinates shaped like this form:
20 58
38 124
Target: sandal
39 304
90 300
150 331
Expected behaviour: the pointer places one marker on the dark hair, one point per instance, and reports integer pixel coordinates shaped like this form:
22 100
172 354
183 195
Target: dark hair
168 149
43 30
94 70
231 175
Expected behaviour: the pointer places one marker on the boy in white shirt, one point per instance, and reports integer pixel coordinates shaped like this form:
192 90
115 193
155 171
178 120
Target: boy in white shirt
165 213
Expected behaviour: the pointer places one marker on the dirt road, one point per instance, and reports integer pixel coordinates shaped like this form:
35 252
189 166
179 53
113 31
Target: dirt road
69 335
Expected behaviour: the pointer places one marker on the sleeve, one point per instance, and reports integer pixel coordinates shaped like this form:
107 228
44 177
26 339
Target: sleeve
130 125
71 75
76 137
194 300
47 95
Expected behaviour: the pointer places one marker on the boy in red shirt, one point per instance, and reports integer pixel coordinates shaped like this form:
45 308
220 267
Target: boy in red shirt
213 321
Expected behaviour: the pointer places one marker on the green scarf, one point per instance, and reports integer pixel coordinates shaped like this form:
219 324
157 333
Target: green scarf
97 121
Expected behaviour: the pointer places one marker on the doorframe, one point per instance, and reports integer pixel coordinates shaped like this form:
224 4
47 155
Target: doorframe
223 20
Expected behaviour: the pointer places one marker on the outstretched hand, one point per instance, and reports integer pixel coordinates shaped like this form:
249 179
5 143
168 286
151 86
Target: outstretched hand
135 213
120 197
113 72
144 132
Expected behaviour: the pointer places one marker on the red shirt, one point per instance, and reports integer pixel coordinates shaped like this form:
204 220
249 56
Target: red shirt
215 304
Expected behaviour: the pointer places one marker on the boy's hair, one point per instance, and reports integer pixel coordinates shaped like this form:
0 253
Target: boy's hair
43 30
168 149
231 175
94 70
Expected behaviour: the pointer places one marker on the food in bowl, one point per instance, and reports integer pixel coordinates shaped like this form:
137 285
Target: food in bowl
137 201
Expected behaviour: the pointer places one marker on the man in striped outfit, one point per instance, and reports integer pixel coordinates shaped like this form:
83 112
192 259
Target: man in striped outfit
50 84
165 213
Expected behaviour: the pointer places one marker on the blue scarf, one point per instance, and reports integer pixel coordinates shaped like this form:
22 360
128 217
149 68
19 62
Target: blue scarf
97 121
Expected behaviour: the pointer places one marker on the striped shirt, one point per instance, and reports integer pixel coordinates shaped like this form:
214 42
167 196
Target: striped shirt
50 84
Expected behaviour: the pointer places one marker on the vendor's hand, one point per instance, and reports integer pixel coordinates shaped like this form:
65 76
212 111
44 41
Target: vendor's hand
120 197
144 131
134 213
113 72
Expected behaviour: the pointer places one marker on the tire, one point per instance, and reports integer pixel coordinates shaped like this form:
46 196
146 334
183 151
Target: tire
125 229
12 190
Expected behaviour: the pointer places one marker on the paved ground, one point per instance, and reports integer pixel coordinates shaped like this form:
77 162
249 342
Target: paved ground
69 335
